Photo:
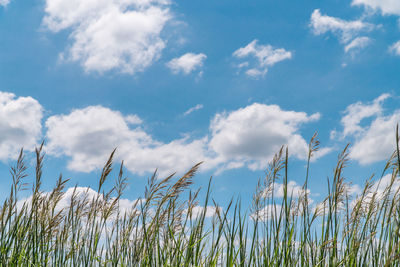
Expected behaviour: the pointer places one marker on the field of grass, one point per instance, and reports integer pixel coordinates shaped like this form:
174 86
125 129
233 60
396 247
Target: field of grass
164 228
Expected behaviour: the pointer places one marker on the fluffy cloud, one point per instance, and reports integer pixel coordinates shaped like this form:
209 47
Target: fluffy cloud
376 140
187 63
253 134
395 48
248 137
123 35
357 44
356 112
387 7
4 2
88 136
266 56
20 123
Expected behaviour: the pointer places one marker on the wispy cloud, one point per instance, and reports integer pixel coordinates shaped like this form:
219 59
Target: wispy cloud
197 107
346 30
265 55
395 48
357 44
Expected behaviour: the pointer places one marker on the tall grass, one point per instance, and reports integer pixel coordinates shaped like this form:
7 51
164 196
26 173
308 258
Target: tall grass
166 227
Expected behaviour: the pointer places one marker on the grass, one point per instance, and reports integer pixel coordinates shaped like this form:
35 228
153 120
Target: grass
165 227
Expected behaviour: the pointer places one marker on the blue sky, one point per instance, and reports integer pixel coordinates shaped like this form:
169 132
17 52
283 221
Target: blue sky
172 83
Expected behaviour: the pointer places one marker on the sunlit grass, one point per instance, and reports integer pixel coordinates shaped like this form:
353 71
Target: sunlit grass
167 228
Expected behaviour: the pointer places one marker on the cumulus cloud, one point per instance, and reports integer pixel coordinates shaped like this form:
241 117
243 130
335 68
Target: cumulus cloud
265 55
187 63
192 109
20 123
379 140
374 141
395 48
253 134
88 135
4 2
356 112
248 137
357 44
386 7
110 34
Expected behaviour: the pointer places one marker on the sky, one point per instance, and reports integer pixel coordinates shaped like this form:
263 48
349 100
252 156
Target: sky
172 83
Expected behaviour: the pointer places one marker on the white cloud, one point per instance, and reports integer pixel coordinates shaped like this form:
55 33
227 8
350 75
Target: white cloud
356 112
379 140
20 123
347 31
133 119
190 110
198 210
247 137
378 192
121 35
357 44
271 211
255 133
187 63
4 2
265 55
387 7
89 135
376 140
395 48
293 190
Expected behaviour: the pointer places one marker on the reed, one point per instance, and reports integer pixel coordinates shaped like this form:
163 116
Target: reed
83 227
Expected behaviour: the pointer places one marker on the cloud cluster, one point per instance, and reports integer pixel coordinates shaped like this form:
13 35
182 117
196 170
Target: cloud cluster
122 35
246 137
347 31
373 141
88 136
385 7
187 63
265 55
